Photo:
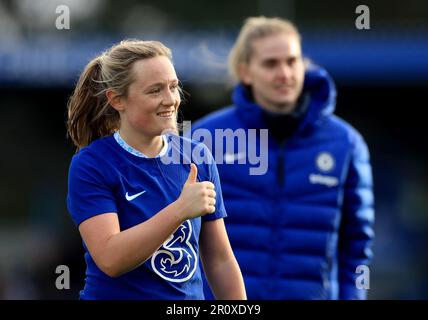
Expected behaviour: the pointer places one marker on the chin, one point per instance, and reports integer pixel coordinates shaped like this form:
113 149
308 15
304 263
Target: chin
169 129
284 106
289 101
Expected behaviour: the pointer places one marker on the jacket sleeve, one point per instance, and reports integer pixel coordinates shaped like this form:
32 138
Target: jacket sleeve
356 229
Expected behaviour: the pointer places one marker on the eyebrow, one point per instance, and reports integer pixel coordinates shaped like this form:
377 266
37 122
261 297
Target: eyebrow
157 84
292 56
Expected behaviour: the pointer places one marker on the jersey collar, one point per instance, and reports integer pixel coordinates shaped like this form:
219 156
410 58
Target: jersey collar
134 151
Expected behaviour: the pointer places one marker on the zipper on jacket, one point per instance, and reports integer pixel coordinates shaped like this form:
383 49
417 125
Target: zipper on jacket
280 170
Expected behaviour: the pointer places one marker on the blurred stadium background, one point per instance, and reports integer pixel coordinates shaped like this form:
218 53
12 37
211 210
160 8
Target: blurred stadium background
381 75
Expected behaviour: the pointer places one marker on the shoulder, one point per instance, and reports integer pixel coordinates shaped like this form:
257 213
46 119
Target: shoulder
93 157
343 129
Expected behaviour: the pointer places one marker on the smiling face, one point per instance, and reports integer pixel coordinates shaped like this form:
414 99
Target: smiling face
152 100
275 72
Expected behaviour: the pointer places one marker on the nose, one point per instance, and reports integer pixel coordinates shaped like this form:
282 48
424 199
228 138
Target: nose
284 71
169 98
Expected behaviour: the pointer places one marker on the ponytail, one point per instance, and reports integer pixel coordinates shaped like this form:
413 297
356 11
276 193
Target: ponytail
89 114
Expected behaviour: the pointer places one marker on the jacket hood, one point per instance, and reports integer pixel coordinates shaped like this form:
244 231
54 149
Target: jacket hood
317 84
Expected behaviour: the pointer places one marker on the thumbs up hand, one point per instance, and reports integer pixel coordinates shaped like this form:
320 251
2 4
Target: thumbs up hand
196 198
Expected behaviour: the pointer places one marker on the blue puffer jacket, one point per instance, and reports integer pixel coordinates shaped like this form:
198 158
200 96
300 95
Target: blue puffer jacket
300 230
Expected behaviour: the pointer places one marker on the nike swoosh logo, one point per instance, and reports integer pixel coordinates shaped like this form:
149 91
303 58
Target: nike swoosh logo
231 157
130 198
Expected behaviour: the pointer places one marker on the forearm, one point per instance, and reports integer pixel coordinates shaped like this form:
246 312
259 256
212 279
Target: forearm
226 280
130 248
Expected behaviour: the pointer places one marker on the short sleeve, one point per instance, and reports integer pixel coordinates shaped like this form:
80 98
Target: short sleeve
214 177
88 192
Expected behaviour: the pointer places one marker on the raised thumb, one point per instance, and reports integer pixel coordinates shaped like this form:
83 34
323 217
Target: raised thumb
192 174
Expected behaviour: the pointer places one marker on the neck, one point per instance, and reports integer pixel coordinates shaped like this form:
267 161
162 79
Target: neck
279 109
284 108
150 146
283 125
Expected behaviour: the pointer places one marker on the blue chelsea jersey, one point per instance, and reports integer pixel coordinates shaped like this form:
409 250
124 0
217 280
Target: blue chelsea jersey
110 176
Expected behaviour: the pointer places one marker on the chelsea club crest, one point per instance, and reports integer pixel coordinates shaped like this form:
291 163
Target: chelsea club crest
325 162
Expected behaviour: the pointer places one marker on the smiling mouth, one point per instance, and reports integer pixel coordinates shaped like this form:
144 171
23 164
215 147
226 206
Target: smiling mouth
165 114
284 88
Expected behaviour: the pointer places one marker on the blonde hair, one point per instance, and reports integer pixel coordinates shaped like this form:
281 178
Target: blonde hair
90 116
255 28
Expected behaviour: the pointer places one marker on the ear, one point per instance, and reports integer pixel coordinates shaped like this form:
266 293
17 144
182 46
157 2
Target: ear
115 100
244 74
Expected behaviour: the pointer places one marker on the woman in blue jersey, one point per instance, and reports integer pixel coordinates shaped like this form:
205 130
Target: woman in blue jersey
145 220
